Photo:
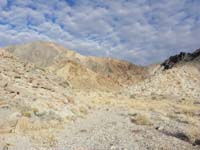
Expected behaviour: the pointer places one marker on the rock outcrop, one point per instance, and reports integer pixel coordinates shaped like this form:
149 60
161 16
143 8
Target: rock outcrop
182 57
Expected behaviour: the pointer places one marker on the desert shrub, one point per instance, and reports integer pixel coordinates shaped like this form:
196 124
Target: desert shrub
141 119
35 110
132 96
83 110
153 97
26 114
194 132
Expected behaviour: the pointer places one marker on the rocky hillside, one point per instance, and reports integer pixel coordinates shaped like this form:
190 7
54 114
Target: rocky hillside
40 53
124 72
30 98
71 65
178 76
81 77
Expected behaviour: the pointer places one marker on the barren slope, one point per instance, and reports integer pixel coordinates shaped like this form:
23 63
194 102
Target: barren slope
32 100
81 77
97 71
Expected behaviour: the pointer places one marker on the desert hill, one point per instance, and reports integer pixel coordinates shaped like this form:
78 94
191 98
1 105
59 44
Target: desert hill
39 53
99 73
81 77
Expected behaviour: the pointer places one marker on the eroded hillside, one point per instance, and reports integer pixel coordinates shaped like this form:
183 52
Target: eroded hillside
98 73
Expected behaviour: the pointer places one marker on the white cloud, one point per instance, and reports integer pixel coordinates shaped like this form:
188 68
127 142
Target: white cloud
140 31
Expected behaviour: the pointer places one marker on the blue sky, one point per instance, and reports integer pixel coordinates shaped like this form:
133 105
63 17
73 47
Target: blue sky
140 31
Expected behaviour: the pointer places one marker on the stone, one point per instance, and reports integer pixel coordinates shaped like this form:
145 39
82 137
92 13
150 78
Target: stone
173 60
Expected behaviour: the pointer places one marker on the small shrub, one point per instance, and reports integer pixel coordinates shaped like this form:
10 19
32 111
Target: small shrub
26 114
194 132
35 110
132 96
153 97
140 119
83 110
52 140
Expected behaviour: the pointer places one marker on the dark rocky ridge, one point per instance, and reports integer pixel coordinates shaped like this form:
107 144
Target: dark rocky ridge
182 57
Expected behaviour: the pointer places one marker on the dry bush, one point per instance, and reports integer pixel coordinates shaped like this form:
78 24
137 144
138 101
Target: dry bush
23 124
187 109
35 110
45 137
132 96
26 114
51 140
194 132
83 110
141 119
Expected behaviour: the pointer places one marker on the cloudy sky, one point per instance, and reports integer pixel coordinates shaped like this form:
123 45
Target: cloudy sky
140 31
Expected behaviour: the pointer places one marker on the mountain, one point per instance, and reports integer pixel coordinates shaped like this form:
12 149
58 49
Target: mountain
97 72
40 53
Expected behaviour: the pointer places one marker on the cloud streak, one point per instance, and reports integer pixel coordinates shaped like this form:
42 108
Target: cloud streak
140 31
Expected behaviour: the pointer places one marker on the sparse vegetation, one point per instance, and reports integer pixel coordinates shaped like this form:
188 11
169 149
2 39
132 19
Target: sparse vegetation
35 111
26 114
141 119
132 96
194 132
83 110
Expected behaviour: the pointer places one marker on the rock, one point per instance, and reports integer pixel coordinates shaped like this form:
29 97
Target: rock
197 142
160 128
182 57
180 135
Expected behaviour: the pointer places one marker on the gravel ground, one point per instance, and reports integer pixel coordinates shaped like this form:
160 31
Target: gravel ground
111 129
102 129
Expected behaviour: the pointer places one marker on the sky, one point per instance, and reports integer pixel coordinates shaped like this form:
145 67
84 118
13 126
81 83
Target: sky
140 31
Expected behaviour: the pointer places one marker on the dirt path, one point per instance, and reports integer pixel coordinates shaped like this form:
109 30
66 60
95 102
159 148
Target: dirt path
111 129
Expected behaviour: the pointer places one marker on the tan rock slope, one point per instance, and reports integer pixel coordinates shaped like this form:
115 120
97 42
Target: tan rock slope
81 71
30 98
